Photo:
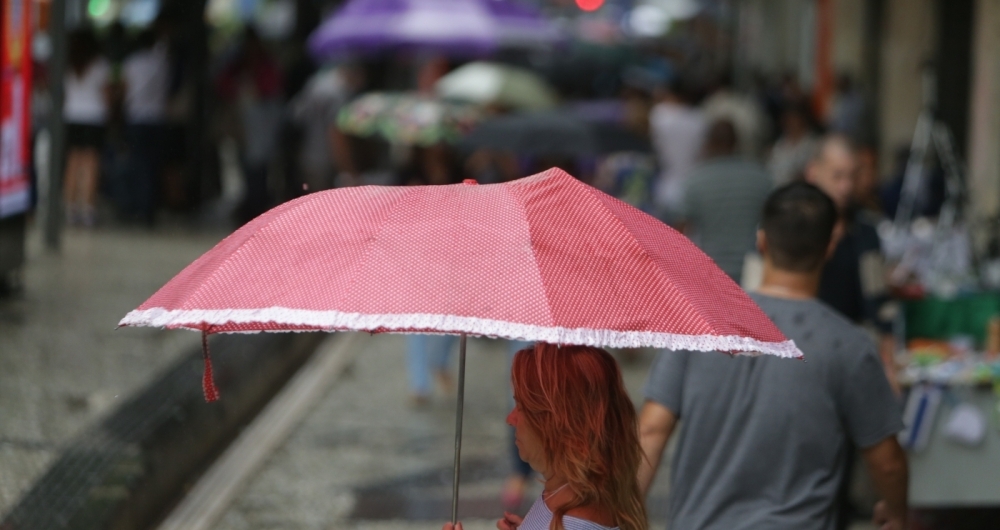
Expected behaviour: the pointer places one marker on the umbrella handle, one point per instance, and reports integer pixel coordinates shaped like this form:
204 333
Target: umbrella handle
458 428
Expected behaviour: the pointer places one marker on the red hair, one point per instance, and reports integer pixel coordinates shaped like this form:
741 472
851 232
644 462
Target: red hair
575 399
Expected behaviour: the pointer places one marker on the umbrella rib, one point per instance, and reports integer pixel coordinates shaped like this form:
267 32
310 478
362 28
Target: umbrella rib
229 258
531 243
375 238
659 272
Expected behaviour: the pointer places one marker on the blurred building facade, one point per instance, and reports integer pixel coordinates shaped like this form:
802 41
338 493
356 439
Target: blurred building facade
884 45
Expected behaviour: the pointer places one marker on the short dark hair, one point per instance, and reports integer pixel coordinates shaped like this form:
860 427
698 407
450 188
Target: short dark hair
798 221
721 138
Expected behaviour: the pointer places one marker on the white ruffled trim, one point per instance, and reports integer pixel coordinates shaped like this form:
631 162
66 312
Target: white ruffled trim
197 319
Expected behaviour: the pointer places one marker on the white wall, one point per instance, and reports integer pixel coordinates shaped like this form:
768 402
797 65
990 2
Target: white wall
848 37
984 114
908 39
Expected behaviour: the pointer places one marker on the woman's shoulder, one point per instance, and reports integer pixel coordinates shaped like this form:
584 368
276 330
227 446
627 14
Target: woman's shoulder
588 518
581 518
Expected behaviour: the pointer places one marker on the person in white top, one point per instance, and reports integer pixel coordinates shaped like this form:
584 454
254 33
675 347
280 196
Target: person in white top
794 148
145 74
85 112
677 131
752 126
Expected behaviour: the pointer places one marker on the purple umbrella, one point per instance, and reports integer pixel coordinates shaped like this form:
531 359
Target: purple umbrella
456 27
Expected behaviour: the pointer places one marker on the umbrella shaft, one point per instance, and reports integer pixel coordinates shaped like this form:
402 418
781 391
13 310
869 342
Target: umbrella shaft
458 428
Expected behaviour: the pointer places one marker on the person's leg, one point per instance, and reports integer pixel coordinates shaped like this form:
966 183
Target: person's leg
256 200
90 166
417 363
132 178
70 183
147 184
439 355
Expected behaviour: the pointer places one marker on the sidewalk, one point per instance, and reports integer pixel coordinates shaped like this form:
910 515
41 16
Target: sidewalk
62 363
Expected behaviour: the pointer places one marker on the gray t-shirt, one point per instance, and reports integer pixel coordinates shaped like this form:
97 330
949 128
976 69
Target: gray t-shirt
763 439
722 202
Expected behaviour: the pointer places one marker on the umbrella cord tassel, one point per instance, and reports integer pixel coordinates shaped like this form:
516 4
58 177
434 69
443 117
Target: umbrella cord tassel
207 380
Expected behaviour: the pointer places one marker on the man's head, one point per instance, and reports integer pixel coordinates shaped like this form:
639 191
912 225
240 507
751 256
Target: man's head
721 139
834 168
797 228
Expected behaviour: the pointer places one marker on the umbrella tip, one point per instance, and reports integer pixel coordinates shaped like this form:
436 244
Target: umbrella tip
471 182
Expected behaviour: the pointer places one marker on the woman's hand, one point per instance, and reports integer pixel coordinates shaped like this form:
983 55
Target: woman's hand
510 521
449 526
884 520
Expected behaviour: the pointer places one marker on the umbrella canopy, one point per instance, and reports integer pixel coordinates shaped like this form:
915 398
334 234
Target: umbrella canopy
564 264
497 84
558 132
408 118
457 27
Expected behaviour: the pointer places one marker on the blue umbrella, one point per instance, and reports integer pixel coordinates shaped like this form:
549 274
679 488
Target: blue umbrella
454 27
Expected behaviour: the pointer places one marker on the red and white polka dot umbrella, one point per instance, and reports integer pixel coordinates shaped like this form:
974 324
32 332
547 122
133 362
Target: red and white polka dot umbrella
543 258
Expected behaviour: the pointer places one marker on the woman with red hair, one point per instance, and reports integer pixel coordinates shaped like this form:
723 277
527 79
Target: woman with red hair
576 426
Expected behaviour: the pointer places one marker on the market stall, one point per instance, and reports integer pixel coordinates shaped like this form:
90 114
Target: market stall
951 371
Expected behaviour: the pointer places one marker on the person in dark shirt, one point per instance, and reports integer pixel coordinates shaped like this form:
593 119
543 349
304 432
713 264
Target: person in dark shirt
853 280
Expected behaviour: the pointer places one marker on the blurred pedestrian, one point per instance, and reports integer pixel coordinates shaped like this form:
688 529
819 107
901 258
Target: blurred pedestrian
866 197
764 439
315 110
847 113
854 280
431 165
794 147
85 111
428 357
253 81
722 200
576 426
743 112
677 130
146 80
488 166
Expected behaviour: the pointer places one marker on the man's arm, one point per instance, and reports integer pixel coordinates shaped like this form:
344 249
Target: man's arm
656 424
887 351
887 465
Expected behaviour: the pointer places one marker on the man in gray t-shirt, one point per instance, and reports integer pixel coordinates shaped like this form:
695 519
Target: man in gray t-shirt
763 440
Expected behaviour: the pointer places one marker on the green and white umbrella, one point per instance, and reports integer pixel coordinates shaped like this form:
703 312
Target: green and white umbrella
408 118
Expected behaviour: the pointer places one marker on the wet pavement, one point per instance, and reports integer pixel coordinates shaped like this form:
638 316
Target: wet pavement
62 363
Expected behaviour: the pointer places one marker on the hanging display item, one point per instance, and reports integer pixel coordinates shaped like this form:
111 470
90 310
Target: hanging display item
15 115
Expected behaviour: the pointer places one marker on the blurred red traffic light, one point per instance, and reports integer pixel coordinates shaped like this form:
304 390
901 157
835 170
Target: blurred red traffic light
589 5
